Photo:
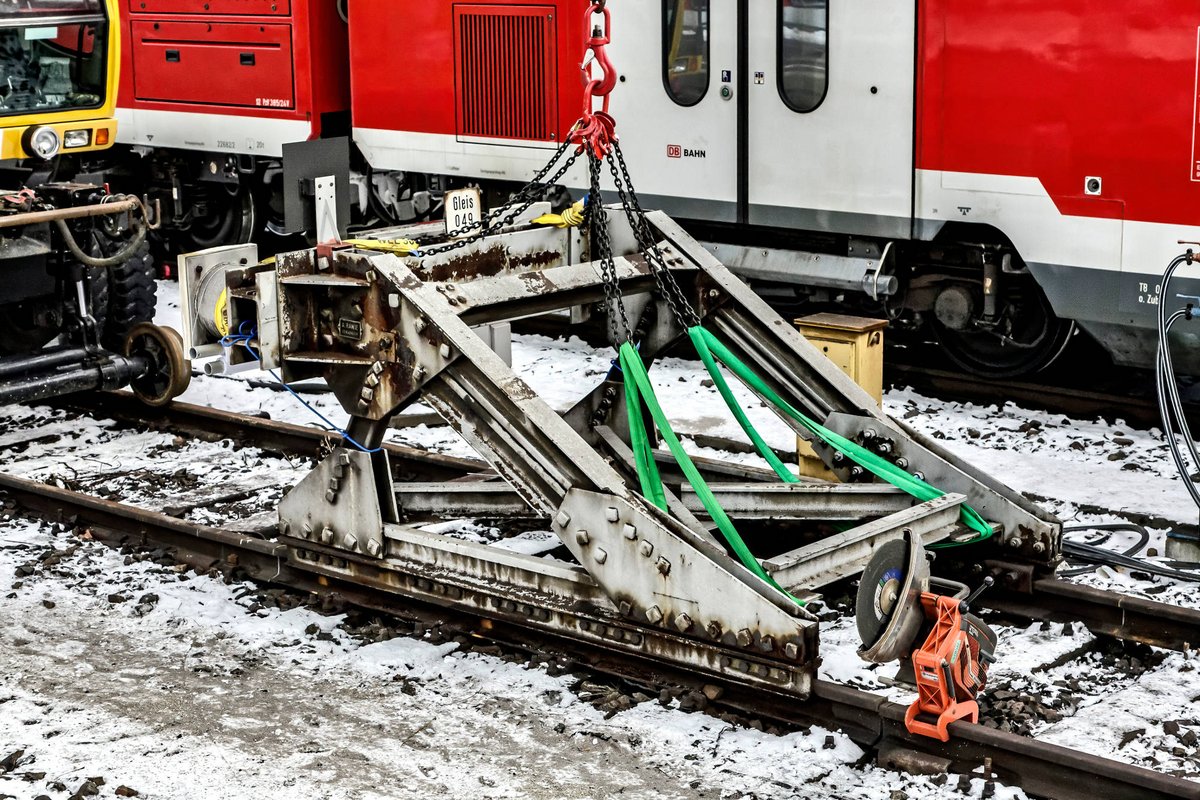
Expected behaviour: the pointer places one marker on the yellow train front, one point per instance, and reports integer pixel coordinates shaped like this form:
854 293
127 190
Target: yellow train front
77 289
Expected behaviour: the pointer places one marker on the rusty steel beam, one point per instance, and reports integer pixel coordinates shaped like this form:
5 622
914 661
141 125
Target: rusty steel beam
77 212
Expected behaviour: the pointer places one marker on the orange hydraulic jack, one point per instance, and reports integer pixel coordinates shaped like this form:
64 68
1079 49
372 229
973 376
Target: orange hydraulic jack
951 666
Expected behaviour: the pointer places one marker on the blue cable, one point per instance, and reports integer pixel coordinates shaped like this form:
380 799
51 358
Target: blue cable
244 339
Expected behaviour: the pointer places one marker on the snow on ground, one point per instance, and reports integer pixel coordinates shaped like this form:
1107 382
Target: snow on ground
184 686
180 686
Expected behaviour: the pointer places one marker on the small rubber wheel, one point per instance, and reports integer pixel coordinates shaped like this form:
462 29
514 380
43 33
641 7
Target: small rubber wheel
168 373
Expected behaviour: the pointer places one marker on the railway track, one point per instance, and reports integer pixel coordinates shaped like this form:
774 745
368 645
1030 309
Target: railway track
1130 399
248 546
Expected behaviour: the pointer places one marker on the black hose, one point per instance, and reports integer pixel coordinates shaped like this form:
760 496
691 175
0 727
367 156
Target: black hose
1097 556
1110 528
118 258
1170 407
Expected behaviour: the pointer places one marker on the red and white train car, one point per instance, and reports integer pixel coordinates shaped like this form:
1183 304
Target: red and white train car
232 76
1004 171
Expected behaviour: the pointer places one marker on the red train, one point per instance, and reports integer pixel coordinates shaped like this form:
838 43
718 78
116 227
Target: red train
1003 172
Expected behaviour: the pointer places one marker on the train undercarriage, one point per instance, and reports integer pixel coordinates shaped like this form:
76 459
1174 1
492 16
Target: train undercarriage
80 297
968 290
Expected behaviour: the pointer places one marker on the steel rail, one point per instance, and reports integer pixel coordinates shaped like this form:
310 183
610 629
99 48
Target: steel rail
1105 613
1039 768
1077 401
1121 616
271 435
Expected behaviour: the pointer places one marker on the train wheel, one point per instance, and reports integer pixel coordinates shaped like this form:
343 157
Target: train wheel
1027 336
168 372
219 217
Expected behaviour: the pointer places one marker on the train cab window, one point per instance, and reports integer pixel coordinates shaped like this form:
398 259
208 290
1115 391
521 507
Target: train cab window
803 66
685 50
52 55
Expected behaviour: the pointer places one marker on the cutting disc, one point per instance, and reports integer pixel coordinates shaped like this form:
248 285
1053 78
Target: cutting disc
881 590
889 611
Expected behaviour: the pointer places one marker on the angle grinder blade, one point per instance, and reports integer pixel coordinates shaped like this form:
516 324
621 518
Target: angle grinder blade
881 590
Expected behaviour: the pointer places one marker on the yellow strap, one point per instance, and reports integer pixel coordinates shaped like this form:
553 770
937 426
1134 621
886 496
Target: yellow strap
570 218
401 247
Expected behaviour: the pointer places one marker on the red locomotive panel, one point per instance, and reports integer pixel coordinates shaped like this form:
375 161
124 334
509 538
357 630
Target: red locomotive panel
255 62
517 64
1059 138
1062 91
235 7
200 74
517 46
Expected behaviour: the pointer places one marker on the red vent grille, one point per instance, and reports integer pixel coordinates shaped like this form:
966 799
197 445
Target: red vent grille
505 71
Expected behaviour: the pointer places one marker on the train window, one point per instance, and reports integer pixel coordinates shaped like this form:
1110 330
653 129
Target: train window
685 50
803 58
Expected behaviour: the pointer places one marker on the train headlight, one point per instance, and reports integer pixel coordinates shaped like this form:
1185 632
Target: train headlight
42 142
77 139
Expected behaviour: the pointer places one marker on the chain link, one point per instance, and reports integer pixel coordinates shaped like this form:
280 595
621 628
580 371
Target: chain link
597 219
521 200
683 312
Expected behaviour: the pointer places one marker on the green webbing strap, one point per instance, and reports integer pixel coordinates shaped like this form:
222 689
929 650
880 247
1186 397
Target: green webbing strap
643 450
637 390
707 345
785 474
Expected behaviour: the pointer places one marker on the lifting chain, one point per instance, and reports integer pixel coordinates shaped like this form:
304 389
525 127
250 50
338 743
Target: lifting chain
597 220
683 312
524 197
594 135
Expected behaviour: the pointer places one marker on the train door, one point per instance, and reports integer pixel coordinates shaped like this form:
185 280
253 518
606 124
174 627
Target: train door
675 104
828 115
783 113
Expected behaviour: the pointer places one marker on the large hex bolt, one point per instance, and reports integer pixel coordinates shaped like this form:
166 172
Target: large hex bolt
654 614
745 638
683 622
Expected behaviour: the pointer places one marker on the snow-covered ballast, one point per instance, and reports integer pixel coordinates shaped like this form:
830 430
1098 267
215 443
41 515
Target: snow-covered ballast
702 563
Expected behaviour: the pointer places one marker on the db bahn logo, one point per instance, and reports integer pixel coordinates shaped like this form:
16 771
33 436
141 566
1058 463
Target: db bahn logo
675 151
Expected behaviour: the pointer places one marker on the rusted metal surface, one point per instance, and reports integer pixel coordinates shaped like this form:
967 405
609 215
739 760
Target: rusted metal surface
1040 768
76 212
